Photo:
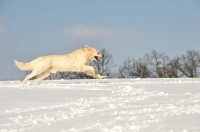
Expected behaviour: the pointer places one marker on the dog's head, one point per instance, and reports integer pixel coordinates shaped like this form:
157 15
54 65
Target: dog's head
93 53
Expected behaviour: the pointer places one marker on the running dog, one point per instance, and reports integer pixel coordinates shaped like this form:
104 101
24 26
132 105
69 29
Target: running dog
77 61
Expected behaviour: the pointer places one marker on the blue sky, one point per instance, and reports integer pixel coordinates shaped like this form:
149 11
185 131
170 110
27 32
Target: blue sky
125 28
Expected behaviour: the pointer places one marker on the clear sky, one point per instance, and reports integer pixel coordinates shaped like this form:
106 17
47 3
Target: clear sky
125 28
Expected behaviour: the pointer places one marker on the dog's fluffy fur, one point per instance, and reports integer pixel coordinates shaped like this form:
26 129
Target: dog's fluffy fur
77 61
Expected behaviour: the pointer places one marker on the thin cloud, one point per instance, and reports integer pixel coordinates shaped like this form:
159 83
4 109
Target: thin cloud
3 27
83 32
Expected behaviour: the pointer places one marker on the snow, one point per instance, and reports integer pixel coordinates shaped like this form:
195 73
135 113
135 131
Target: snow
110 105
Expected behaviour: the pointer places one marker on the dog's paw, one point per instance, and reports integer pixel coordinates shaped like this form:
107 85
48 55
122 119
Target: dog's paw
100 76
103 77
21 82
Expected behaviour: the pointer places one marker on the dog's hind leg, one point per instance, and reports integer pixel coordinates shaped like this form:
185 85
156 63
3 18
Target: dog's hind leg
32 74
41 76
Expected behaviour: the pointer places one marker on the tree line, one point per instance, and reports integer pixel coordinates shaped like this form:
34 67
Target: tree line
159 65
151 65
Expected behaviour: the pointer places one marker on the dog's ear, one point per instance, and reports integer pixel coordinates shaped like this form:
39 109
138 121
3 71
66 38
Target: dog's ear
87 47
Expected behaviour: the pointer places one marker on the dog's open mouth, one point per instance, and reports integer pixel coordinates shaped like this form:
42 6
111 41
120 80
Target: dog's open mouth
97 58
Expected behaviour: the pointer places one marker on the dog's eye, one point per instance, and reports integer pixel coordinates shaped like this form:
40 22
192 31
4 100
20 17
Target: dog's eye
98 53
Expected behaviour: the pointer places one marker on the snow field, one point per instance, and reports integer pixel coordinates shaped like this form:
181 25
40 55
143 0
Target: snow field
112 105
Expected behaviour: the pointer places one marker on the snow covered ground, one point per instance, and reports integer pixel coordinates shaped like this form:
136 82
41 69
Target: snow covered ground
112 105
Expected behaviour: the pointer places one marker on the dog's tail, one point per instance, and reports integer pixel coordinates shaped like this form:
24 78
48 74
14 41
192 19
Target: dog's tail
23 66
29 65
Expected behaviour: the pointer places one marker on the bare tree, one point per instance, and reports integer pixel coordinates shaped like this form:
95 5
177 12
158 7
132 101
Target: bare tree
133 69
190 63
172 68
157 63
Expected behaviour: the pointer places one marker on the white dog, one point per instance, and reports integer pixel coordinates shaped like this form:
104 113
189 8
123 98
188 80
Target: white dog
77 61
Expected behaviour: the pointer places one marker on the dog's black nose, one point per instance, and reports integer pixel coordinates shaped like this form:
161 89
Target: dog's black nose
102 56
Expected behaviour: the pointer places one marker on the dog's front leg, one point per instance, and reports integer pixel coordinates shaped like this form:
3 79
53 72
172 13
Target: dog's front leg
89 70
100 76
